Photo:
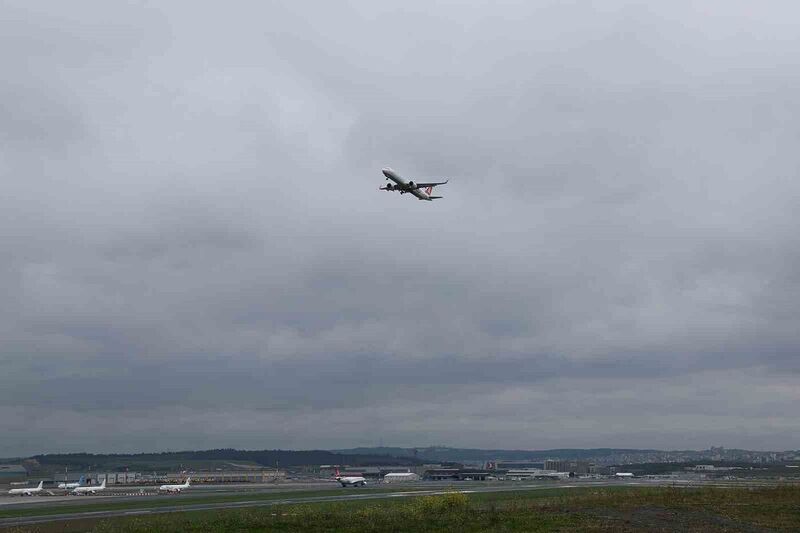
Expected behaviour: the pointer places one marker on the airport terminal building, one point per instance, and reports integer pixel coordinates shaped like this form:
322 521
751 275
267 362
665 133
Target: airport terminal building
216 476
573 467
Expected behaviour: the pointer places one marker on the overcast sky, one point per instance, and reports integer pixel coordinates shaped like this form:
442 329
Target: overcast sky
194 252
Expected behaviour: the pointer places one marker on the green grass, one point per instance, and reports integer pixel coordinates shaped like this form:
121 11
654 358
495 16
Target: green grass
452 513
596 509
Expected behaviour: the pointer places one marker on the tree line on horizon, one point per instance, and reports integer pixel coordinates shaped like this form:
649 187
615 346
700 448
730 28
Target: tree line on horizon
266 458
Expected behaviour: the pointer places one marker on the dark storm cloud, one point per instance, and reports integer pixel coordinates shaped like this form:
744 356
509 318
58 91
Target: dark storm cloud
194 247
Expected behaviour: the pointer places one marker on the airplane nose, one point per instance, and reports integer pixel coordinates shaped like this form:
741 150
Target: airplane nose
387 172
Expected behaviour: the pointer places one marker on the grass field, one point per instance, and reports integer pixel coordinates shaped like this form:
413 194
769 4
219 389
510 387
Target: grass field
704 510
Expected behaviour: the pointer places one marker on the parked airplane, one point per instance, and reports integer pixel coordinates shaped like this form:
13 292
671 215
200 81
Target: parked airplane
352 481
27 491
89 489
175 488
414 188
80 483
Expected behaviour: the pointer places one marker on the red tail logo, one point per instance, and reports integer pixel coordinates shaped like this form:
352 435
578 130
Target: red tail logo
429 190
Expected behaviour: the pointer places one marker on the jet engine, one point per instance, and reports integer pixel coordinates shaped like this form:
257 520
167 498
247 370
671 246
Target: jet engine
411 185
389 187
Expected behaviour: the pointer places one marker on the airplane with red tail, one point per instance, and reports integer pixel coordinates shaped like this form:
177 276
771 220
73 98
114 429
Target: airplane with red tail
350 481
423 191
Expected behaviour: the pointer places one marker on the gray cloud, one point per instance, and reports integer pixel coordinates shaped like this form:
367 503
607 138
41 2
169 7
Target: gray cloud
194 253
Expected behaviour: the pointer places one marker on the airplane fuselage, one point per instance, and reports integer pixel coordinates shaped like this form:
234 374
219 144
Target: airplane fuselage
93 489
23 492
402 186
172 488
29 491
70 486
352 481
175 488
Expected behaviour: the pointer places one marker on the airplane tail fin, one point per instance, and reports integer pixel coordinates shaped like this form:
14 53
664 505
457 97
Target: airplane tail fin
337 474
188 480
40 484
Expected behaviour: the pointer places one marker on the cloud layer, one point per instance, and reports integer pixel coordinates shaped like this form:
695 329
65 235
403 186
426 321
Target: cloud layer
194 252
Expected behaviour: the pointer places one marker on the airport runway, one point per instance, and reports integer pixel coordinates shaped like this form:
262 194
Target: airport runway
114 493
340 494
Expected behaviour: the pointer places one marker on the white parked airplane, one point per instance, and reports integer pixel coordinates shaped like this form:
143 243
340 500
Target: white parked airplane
352 481
80 483
89 489
28 491
414 188
175 488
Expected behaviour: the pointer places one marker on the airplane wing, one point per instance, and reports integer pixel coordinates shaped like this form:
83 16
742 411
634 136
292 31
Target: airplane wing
431 184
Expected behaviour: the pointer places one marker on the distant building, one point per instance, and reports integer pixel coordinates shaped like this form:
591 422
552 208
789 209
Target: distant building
471 474
522 474
575 467
228 476
463 474
398 477
514 465
525 474
9 473
117 478
711 468
441 474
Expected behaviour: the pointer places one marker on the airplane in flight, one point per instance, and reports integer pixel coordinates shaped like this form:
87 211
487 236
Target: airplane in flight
89 489
80 483
350 481
28 491
175 488
402 186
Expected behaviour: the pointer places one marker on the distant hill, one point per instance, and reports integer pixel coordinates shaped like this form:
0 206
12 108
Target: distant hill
214 458
600 456
443 453
365 456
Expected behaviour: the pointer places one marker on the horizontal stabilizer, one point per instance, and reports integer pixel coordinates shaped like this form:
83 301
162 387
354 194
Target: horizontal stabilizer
435 197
